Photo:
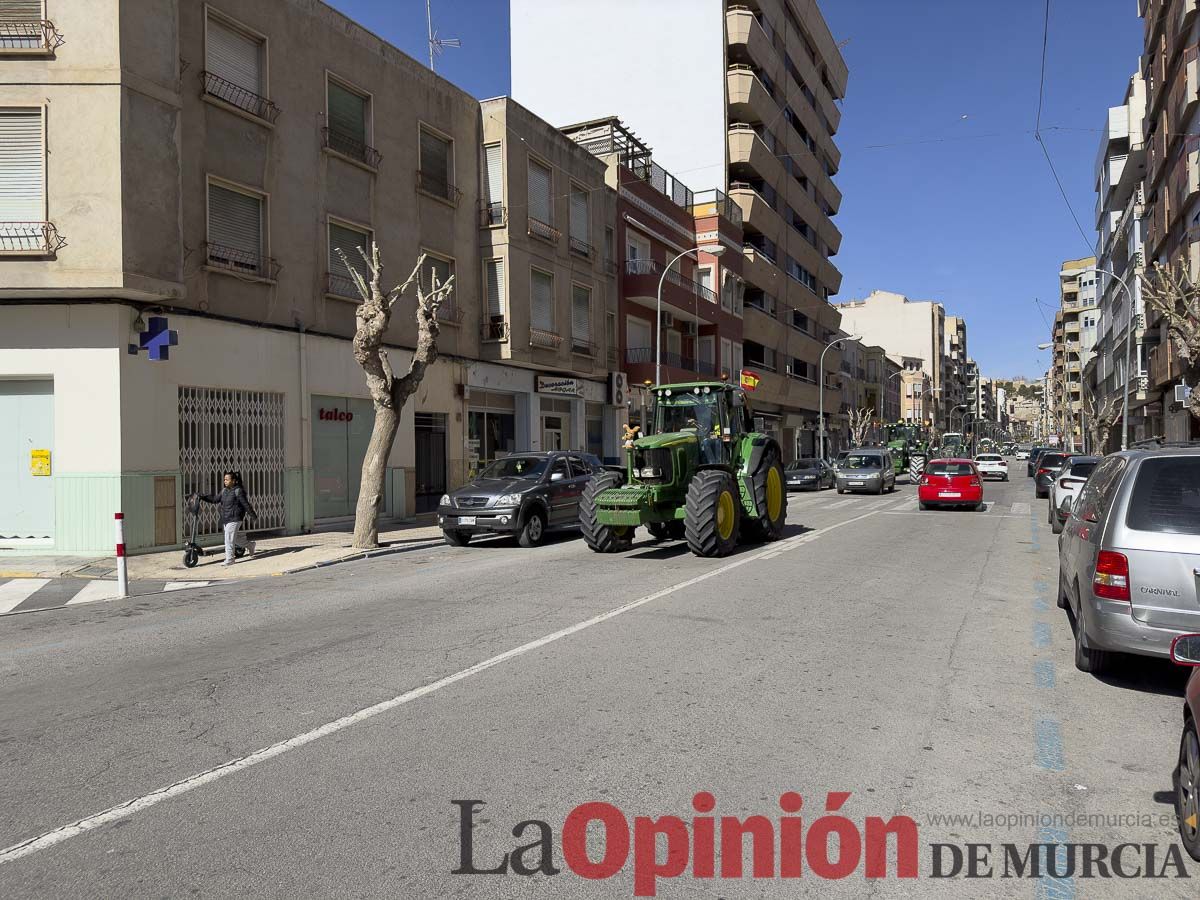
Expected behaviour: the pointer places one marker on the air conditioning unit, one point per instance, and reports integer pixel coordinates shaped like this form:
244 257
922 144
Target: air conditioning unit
688 328
668 320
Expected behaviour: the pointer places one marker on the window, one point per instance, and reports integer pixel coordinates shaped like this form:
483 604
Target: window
22 182
758 356
541 211
235 231
494 327
800 321
23 27
493 185
349 125
1166 496
581 319
637 254
706 350
580 232
234 66
541 300
705 274
608 245
737 359
441 269
639 338
674 341
348 240
435 176
726 360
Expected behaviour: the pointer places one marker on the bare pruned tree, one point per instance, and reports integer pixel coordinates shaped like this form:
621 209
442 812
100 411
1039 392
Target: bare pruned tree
388 393
1102 415
1170 292
860 424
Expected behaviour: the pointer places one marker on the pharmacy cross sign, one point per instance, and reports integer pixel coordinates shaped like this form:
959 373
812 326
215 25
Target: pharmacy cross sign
156 340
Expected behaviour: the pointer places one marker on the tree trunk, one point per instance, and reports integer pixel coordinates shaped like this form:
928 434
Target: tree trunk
374 470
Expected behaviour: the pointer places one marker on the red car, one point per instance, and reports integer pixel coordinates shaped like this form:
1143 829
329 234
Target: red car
1185 650
950 482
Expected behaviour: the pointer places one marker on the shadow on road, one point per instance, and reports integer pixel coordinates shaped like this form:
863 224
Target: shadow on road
1147 675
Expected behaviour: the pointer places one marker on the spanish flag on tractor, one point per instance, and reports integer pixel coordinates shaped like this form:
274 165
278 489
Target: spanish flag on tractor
749 380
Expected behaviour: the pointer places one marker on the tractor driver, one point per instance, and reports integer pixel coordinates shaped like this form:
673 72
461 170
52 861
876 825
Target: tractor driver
708 427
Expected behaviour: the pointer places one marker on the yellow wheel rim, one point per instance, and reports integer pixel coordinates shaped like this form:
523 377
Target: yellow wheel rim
725 515
774 494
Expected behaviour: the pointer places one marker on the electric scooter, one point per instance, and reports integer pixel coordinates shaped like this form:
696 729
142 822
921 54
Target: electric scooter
193 551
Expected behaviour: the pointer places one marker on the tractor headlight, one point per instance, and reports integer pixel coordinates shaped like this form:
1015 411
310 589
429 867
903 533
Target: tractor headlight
508 500
650 472
445 501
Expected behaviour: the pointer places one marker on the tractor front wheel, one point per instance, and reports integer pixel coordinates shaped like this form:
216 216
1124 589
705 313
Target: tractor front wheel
770 500
602 538
713 513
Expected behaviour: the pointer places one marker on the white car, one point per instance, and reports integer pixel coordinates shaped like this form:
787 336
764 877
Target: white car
1066 487
992 465
1022 453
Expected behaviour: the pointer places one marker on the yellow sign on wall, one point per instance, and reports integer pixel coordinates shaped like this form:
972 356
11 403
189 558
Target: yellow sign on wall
39 462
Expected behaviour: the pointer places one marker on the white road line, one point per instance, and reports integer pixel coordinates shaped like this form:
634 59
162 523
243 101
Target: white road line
139 804
182 585
94 591
839 504
17 591
1020 508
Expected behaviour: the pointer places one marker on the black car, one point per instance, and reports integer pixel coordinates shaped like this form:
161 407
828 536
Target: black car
809 475
1048 465
525 495
1034 453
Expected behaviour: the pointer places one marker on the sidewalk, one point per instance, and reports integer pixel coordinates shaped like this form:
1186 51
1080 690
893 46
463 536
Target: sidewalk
273 556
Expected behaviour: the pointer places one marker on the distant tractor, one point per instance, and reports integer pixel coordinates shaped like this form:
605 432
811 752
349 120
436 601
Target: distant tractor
703 474
909 446
954 443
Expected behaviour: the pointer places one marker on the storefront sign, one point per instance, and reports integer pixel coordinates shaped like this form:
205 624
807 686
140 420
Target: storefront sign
39 462
335 415
566 386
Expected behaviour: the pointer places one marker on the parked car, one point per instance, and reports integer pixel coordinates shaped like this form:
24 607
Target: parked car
1034 453
526 495
1066 487
809 475
1048 466
1022 453
868 469
992 465
1185 650
1129 554
950 482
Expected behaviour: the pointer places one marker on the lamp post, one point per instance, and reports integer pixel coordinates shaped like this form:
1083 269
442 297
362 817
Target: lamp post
713 250
964 407
821 393
1128 355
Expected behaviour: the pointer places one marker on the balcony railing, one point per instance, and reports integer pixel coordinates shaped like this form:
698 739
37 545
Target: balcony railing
539 337
236 95
437 186
720 203
352 147
761 249
450 314
582 346
493 214
33 36
30 238
494 331
241 262
661 180
650 267
341 286
580 247
638 355
539 229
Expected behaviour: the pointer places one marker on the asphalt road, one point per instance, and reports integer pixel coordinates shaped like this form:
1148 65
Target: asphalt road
915 661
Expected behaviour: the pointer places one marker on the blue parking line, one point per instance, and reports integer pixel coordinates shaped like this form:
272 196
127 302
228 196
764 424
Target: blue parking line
1043 674
1041 635
1048 746
1049 887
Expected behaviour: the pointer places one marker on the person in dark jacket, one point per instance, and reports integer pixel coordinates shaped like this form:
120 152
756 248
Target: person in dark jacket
234 506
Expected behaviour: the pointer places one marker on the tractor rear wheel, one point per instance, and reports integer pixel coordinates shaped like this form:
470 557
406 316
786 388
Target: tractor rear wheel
713 513
602 538
769 498
667 531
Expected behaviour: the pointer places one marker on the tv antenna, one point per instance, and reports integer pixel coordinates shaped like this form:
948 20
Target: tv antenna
436 44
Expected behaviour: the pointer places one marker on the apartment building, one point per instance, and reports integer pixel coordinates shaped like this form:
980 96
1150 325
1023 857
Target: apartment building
1074 337
744 94
956 391
916 389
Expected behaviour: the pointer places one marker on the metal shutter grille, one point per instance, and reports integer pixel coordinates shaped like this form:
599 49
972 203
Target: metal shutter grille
539 192
579 215
234 220
22 166
581 314
347 113
495 288
234 56
435 158
495 174
541 289
348 240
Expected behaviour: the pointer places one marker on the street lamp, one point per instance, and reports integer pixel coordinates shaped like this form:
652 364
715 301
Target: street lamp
1128 356
714 250
962 406
821 393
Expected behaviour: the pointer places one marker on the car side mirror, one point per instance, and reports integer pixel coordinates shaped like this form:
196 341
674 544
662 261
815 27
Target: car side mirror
1185 650
557 476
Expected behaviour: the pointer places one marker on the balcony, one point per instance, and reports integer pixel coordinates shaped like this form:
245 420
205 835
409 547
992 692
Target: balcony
583 347
1164 366
716 202
642 277
494 331
350 147
238 97
748 149
1184 180
539 229
761 301
580 247
750 98
450 313
241 262
685 365
547 340
435 185
492 215
30 239
33 37
1186 92
661 180
747 37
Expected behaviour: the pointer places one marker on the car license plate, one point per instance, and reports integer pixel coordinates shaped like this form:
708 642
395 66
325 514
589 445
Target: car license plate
466 520
856 483
949 494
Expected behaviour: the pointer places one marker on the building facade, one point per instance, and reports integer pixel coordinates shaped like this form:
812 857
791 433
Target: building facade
1074 337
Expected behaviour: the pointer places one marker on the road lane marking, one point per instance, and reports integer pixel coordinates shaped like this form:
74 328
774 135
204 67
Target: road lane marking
840 503
146 801
182 585
1020 508
94 591
17 591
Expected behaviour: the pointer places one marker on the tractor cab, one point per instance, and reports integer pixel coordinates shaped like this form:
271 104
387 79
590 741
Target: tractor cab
713 414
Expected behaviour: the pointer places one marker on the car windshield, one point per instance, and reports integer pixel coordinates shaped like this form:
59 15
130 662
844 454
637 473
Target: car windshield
862 461
802 464
949 469
530 467
688 412
1166 496
1082 470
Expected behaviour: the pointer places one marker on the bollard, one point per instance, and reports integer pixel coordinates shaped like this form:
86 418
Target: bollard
122 573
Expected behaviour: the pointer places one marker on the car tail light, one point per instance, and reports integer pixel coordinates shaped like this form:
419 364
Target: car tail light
975 483
1042 471
1003 464
1064 483
1111 580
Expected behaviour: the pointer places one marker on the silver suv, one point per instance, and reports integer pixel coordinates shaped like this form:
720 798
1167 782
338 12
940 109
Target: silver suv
1129 555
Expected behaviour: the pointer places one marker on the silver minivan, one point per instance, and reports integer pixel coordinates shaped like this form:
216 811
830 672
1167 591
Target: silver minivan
1129 555
866 469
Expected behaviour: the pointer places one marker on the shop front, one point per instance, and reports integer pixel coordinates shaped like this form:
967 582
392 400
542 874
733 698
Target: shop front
341 430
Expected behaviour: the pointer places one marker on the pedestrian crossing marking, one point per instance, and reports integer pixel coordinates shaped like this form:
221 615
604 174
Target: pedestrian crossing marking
94 591
17 591
182 585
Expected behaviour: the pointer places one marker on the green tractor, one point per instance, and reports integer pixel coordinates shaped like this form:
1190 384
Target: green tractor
703 474
909 446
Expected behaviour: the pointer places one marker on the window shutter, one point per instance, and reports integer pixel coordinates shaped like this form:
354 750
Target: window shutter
235 220
581 314
542 300
234 56
579 215
539 192
22 166
347 113
348 240
23 18
495 289
20 10
494 189
435 158
638 334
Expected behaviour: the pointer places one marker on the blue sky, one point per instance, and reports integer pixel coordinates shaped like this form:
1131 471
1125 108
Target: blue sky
937 206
